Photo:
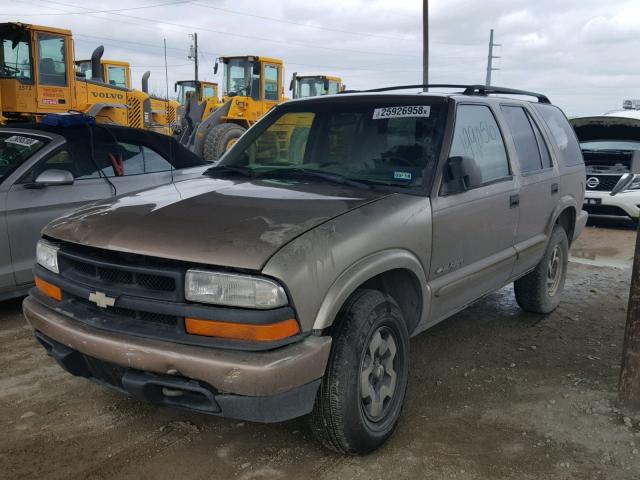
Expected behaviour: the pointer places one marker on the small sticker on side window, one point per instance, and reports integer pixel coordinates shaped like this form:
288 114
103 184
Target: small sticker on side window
402 175
20 140
401 112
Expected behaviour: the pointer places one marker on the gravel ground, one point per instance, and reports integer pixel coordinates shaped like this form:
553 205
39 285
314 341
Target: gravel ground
494 393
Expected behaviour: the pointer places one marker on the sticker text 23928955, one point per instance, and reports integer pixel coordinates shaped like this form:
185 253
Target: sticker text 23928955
402 111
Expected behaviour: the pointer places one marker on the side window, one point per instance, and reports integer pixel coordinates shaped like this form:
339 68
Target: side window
542 144
562 133
117 76
333 88
53 60
154 162
477 136
130 160
208 92
524 138
271 82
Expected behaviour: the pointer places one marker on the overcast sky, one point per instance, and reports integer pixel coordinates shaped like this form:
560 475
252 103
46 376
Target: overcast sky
584 54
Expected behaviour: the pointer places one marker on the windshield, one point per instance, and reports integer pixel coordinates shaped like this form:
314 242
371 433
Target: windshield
238 77
610 145
15 57
183 89
387 144
310 87
15 149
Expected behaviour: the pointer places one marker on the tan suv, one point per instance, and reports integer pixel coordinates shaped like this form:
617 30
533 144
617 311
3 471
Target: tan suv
288 279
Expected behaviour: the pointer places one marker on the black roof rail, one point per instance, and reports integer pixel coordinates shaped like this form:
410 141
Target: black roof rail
466 90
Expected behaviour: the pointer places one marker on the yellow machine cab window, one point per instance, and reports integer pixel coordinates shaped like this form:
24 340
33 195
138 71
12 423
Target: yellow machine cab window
52 64
15 56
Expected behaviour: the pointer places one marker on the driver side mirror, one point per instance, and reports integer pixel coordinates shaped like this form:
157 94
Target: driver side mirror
52 177
461 173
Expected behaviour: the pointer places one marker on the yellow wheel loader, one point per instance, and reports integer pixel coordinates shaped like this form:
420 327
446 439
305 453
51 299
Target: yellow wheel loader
38 77
252 86
303 86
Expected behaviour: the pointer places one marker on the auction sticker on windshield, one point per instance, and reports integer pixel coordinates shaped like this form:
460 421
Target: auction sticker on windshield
20 140
401 112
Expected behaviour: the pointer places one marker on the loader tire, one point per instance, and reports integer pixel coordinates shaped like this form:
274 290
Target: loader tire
219 139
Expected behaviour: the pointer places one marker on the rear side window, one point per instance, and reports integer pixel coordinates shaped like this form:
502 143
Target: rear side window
563 134
477 136
532 151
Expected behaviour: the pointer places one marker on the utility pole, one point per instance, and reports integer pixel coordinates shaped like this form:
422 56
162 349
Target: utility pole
425 44
193 54
490 58
629 386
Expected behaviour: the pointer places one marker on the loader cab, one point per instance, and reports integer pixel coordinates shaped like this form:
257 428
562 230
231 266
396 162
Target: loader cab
314 85
36 70
256 78
114 72
204 90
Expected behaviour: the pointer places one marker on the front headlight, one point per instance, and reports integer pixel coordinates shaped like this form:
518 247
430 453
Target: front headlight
635 184
47 255
233 290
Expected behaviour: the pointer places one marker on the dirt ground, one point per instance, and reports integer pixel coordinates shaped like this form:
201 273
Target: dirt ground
494 393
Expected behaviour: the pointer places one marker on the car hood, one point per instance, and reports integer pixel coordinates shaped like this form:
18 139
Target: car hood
605 127
211 221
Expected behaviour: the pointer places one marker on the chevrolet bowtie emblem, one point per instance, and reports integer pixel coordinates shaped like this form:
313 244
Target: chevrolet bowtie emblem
102 300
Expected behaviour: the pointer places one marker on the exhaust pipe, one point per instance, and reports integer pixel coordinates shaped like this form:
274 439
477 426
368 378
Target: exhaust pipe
96 65
145 81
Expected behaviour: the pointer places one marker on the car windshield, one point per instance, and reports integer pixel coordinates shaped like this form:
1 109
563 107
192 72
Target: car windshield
610 145
15 149
382 144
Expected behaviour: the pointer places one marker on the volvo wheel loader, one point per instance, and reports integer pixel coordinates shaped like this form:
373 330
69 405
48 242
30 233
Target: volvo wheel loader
303 86
38 77
252 85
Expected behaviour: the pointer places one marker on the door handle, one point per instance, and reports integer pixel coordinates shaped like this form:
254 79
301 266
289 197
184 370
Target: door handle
514 200
554 188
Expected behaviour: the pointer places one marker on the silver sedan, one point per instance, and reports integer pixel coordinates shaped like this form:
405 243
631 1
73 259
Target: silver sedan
46 172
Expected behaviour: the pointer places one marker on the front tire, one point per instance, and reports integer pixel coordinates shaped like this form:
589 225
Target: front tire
359 402
220 139
540 290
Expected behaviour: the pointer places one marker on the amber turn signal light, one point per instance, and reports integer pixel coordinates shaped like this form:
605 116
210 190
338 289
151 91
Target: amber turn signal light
49 289
242 331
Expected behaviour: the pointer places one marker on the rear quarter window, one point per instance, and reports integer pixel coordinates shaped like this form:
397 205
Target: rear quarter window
562 133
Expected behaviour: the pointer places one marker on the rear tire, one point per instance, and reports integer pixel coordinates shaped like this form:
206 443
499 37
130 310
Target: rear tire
540 290
362 393
219 140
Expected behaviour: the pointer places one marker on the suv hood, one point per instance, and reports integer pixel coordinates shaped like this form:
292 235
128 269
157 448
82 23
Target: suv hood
211 221
604 127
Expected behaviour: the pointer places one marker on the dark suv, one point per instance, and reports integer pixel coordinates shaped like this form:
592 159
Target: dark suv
288 279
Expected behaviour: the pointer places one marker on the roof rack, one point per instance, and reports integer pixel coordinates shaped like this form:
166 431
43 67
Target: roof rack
467 90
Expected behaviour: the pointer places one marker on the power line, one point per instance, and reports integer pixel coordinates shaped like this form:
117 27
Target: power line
300 24
239 35
90 11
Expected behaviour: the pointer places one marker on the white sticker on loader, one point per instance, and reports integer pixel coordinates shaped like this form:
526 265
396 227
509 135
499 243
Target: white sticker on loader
19 140
402 112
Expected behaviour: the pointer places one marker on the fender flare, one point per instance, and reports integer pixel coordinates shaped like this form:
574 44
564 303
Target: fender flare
98 107
365 269
564 203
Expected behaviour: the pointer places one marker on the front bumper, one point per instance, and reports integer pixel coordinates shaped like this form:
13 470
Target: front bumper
288 376
622 204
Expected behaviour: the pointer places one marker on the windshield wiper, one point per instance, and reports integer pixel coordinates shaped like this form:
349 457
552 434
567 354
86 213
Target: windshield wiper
244 171
310 173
